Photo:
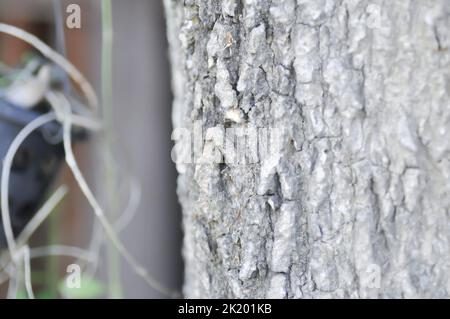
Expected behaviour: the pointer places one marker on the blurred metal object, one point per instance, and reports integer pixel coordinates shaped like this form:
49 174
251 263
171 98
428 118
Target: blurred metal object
35 164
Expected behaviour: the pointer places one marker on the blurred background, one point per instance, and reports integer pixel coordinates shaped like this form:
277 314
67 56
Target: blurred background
141 104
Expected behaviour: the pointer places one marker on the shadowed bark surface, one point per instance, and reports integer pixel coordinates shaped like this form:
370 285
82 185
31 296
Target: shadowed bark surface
356 200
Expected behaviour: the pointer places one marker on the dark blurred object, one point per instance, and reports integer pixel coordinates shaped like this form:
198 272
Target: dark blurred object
34 166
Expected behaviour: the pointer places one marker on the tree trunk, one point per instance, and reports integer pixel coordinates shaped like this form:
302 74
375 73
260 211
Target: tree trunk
354 200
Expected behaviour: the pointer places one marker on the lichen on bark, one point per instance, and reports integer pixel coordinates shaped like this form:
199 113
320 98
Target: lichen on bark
355 202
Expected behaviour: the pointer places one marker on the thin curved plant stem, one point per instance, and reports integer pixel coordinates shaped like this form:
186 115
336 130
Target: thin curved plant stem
41 215
60 40
27 271
6 170
114 281
62 250
14 282
98 211
57 58
132 206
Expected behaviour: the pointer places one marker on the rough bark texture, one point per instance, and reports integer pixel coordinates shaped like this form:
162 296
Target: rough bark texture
361 184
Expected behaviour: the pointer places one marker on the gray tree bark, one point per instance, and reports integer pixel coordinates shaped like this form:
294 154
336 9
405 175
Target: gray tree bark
355 202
